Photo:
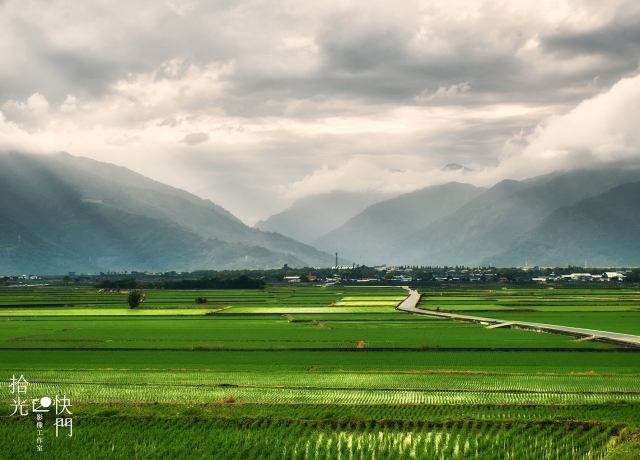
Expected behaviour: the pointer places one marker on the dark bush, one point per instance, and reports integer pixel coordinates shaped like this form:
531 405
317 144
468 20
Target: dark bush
135 298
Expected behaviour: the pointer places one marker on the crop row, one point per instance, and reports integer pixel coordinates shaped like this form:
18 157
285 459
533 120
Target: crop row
305 441
354 380
389 413
207 394
524 362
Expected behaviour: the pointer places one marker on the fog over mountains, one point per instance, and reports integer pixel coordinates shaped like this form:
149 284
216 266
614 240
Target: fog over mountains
313 216
62 213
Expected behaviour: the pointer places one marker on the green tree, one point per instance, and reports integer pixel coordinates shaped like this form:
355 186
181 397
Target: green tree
135 298
67 279
633 276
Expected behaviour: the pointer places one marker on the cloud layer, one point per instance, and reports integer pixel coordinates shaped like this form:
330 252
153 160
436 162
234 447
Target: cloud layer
304 97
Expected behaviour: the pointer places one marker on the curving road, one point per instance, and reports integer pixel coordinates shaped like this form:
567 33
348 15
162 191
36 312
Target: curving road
626 340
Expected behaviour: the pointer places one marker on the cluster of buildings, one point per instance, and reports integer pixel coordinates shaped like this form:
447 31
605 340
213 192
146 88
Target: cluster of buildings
20 277
471 275
604 277
464 275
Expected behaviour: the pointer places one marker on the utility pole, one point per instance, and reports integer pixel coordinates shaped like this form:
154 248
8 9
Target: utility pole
336 260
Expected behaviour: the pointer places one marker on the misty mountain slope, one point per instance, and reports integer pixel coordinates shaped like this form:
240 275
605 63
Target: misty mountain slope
161 201
313 216
22 252
367 237
48 204
601 231
128 240
490 223
128 178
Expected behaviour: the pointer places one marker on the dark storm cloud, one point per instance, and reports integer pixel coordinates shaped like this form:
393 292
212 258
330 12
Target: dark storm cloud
369 62
619 38
358 56
355 48
84 48
90 74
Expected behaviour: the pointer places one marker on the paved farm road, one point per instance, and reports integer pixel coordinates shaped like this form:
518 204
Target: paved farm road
409 305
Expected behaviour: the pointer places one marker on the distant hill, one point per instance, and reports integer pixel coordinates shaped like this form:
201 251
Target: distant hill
487 225
598 231
368 237
61 213
313 216
70 214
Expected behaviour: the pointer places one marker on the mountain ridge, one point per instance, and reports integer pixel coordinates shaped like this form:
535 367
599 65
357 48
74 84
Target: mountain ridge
487 225
367 237
602 229
71 208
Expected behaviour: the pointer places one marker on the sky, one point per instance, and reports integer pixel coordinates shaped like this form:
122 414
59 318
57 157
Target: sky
254 104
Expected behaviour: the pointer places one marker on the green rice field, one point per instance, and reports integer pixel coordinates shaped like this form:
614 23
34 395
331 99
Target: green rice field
321 372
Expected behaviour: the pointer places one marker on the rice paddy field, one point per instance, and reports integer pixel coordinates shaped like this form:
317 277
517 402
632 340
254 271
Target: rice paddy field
320 373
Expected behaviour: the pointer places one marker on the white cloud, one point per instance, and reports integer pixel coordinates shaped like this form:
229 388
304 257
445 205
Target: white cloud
15 138
598 131
320 94
29 114
364 173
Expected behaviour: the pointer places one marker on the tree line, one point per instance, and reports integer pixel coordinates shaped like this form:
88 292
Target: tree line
241 282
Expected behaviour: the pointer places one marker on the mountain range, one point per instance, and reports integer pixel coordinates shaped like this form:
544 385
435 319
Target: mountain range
509 224
61 213
600 231
367 237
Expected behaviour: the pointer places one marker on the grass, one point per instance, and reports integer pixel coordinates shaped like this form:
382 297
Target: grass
310 310
623 322
373 303
262 439
83 297
281 374
539 300
58 312
512 362
222 330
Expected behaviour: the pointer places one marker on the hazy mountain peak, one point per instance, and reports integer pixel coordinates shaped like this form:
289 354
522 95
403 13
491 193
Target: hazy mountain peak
315 215
368 237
